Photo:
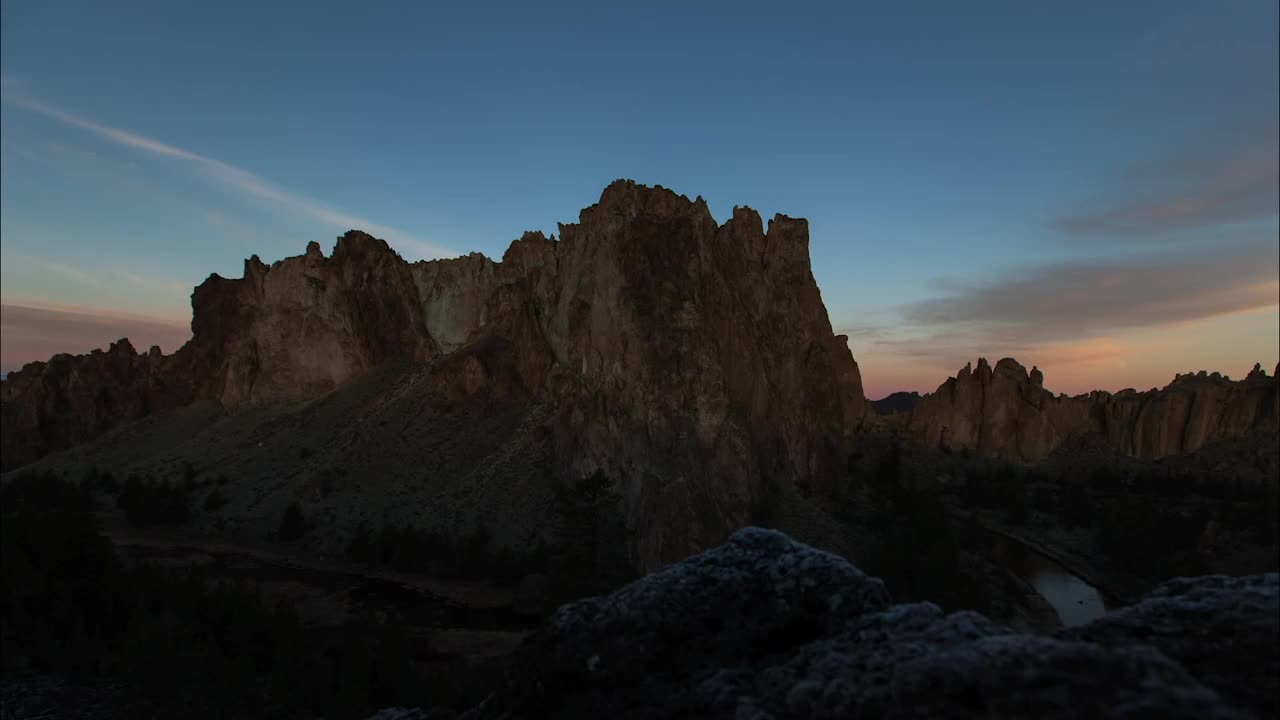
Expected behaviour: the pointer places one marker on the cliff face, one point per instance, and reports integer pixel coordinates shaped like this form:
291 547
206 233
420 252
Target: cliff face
692 363
49 405
303 325
1006 412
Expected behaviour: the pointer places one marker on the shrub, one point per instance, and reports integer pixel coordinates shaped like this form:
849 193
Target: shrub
292 524
1016 512
505 568
1075 506
590 544
918 554
1146 540
359 548
214 501
148 504
410 549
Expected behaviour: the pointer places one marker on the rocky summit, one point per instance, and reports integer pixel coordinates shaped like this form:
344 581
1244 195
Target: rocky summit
1006 412
687 361
766 627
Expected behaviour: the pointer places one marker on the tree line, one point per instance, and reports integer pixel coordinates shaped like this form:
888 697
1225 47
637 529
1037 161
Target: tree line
180 645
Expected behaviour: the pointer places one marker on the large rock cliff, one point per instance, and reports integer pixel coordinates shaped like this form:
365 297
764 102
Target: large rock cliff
1006 412
692 363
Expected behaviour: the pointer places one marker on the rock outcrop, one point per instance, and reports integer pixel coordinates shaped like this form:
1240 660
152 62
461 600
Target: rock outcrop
71 398
1212 626
1006 412
766 627
692 363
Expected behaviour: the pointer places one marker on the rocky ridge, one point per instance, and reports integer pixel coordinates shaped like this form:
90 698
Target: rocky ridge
1006 412
692 363
896 403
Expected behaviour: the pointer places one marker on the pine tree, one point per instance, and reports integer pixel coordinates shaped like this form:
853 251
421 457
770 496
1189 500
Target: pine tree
292 524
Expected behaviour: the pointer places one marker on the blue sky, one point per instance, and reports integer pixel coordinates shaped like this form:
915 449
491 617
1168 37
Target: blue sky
1083 186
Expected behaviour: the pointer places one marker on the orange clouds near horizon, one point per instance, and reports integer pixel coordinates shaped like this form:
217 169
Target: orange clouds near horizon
36 332
1142 359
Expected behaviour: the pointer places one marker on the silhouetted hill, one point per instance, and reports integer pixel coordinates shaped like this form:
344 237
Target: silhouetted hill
896 403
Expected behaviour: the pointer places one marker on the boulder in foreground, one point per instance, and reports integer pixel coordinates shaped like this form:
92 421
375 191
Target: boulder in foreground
765 627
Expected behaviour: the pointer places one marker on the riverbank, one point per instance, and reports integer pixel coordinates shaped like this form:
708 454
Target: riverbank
1116 589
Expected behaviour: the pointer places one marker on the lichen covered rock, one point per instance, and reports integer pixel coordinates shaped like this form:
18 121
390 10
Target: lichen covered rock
1224 630
765 627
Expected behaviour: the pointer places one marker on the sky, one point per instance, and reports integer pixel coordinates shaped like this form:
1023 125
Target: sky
1088 187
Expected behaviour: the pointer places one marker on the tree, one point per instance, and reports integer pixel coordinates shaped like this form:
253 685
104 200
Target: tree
1016 501
1267 518
889 469
591 538
292 524
214 501
360 548
147 503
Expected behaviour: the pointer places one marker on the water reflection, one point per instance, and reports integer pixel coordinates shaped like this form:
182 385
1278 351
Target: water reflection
1076 601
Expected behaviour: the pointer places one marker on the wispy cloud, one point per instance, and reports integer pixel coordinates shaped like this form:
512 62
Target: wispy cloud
71 273
1242 186
103 278
238 178
145 282
1077 317
860 333
1071 300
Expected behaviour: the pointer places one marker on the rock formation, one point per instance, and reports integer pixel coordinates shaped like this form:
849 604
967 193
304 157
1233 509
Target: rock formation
899 402
766 627
70 398
1006 412
692 363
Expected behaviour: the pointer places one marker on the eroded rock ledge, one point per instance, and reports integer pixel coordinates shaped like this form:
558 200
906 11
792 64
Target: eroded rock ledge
765 627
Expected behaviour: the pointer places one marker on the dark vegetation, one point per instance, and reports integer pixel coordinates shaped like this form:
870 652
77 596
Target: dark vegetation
292 524
153 503
584 556
214 501
147 502
181 646
1151 520
1148 519
588 556
921 550
410 549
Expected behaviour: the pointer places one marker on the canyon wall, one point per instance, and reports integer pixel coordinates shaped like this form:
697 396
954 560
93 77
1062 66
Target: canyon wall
1006 412
692 363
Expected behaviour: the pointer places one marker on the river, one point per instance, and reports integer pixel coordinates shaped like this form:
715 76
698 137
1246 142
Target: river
1076 601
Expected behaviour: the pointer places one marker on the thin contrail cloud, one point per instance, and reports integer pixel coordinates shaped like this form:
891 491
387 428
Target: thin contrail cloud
239 178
